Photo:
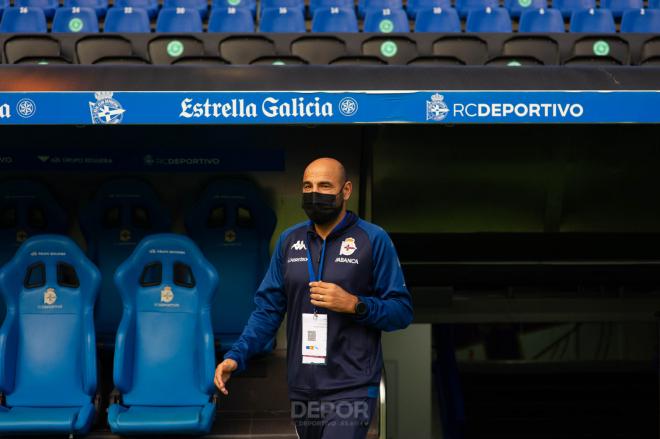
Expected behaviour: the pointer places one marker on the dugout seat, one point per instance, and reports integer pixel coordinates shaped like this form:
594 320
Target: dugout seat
167 50
386 21
121 213
593 21
245 49
318 49
233 226
47 344
164 356
467 50
641 21
23 20
26 209
75 20
47 6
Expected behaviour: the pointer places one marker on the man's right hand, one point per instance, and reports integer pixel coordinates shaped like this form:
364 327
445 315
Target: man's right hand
223 373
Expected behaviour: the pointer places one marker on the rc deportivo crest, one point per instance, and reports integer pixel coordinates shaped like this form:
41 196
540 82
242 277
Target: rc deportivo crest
166 294
49 296
348 247
105 110
436 109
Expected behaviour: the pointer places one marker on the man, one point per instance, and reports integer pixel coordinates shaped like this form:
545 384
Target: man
339 281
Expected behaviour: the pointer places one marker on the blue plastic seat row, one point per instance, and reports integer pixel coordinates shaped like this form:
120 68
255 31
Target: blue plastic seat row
164 356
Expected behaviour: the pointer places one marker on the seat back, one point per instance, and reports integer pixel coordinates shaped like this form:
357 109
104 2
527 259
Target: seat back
49 354
100 6
127 20
151 6
179 20
593 21
641 20
334 20
282 19
518 7
233 226
164 355
230 19
386 21
619 7
23 20
121 213
437 20
567 7
542 21
75 19
489 20
464 7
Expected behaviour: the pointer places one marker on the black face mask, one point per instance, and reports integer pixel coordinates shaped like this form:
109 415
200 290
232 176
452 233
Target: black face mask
321 208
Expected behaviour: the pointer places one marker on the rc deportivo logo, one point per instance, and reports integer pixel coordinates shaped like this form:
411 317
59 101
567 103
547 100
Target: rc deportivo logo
436 109
105 110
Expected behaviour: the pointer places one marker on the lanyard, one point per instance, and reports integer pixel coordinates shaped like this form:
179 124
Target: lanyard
313 277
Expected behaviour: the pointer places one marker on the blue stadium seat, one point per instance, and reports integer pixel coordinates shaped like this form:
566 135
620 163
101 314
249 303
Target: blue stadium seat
619 7
233 226
76 20
335 20
386 21
641 20
120 214
327 4
100 6
26 209
413 6
151 6
379 5
275 4
4 4
488 20
179 20
437 20
128 20
593 21
465 6
48 6
231 19
23 20
567 7
165 356
47 344
517 7
201 6
542 21
654 4
282 20
248 4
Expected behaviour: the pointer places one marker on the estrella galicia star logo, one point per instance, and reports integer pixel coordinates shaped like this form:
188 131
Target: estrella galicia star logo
26 108
348 106
105 110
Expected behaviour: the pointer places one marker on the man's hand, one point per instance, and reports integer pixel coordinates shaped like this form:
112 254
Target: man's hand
333 297
223 373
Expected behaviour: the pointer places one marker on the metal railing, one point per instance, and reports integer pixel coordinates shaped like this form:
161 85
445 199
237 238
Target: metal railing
382 406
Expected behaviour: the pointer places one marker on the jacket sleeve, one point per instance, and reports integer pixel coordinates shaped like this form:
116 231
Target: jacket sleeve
264 321
390 307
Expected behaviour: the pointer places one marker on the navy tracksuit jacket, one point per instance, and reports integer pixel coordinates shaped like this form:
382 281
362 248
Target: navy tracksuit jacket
367 267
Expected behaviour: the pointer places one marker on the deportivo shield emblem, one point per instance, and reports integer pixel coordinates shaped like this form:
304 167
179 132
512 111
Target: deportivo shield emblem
348 247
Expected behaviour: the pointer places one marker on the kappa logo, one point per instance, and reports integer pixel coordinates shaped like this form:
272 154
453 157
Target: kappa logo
298 245
436 109
49 296
105 110
166 294
348 247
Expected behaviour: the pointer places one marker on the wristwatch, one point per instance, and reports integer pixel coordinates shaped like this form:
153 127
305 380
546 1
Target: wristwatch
360 308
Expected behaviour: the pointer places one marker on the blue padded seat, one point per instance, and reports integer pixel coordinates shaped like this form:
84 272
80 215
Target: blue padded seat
414 6
27 208
489 20
314 5
464 7
437 20
100 6
517 7
334 20
230 19
48 6
127 20
282 20
542 21
76 20
164 354
200 5
179 20
654 4
23 20
593 21
4 4
233 226
251 5
386 21
567 7
151 6
619 7
120 214
47 343
641 21
289 4
365 5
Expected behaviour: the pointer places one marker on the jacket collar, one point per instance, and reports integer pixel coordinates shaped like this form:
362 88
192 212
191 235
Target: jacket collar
349 219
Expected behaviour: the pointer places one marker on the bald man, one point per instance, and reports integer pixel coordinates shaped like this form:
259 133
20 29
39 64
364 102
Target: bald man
339 281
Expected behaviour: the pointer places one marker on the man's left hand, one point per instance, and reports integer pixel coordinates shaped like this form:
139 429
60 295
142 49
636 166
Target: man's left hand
333 297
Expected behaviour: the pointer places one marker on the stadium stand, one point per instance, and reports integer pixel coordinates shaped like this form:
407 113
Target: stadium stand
166 287
48 350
